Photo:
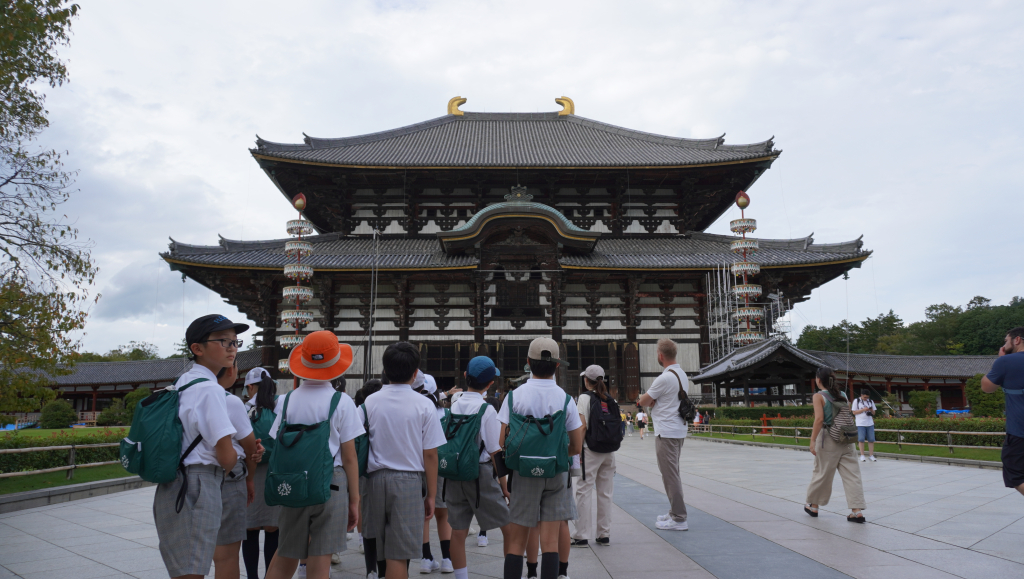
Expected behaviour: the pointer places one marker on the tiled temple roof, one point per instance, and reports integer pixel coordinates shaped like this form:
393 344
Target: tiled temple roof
142 372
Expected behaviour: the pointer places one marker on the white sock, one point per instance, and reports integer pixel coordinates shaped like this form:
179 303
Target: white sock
462 573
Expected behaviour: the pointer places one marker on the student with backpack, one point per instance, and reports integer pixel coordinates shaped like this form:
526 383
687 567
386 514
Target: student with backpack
471 487
404 434
367 543
602 424
427 386
313 464
259 516
541 431
181 438
832 439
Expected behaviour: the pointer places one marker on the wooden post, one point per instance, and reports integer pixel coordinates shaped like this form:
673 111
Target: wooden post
71 463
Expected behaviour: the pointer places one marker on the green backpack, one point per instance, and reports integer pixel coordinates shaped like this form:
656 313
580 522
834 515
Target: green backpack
302 465
152 448
363 444
537 447
262 420
459 458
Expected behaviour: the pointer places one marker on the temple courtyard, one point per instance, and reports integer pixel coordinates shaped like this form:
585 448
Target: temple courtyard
746 522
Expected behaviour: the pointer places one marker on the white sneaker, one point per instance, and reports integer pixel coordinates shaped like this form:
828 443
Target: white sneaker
481 540
371 575
335 558
429 566
301 573
665 517
360 542
563 577
446 566
872 458
862 459
671 525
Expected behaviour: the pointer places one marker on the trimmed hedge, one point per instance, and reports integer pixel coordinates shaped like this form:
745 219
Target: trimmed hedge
50 459
755 413
908 425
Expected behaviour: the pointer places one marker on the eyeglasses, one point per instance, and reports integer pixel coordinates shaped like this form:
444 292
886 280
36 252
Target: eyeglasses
228 344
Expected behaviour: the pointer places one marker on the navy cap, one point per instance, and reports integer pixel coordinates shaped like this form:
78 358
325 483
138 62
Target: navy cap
482 369
206 325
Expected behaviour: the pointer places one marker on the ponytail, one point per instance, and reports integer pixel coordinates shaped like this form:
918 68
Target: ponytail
828 380
597 387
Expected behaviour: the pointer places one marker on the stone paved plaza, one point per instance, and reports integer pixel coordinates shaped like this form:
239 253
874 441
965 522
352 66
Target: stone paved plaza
746 522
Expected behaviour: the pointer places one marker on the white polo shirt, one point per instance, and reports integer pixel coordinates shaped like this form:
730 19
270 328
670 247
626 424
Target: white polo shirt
539 398
665 414
202 410
310 403
403 423
863 419
490 428
239 420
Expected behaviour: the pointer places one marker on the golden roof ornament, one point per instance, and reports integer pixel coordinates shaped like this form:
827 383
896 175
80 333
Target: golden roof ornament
454 104
568 107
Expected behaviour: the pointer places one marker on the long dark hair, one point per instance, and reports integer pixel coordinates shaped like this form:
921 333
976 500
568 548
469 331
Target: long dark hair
828 380
597 387
369 387
266 390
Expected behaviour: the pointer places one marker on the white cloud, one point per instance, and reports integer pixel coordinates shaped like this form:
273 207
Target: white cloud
898 120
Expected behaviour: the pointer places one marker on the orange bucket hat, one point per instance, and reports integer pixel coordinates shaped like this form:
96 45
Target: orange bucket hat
320 357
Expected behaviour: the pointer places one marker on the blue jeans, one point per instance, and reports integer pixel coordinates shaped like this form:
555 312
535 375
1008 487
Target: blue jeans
866 433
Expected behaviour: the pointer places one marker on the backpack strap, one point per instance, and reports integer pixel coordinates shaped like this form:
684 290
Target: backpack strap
366 419
179 502
196 381
284 411
334 405
680 380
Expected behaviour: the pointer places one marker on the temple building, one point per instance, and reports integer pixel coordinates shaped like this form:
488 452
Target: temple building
473 233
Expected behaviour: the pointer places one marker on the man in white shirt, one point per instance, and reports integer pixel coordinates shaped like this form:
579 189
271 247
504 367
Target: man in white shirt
543 502
863 409
315 532
404 436
188 534
669 432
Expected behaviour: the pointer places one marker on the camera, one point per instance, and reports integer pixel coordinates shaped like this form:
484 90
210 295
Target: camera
869 413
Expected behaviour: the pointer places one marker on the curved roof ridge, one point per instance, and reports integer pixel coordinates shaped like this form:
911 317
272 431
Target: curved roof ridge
903 356
547 209
312 143
799 243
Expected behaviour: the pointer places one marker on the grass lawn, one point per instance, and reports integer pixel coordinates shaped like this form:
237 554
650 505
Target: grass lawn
47 432
968 453
33 482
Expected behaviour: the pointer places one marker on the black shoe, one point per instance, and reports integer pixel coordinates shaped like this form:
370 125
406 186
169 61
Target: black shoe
579 543
603 541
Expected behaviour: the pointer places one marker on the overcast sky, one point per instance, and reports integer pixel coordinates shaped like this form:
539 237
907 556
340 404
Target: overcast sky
899 121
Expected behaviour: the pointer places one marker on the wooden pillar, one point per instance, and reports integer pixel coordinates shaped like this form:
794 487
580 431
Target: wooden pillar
94 388
963 394
632 306
479 307
556 299
612 370
325 291
402 305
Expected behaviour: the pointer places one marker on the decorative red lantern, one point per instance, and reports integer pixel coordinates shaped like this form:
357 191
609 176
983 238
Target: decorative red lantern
742 200
299 201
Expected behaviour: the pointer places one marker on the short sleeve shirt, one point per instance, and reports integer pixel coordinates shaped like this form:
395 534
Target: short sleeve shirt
239 420
403 423
310 403
203 410
583 404
1008 373
665 414
490 428
540 398
863 419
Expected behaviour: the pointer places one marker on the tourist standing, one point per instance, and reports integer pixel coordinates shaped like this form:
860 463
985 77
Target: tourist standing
864 411
404 436
669 432
539 500
641 419
603 437
831 455
629 423
1008 373
317 530
427 386
187 511
367 542
258 516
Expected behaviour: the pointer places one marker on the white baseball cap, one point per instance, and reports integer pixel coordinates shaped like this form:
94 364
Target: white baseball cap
255 375
418 380
593 372
429 384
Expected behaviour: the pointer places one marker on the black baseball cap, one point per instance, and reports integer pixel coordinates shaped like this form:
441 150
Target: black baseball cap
206 325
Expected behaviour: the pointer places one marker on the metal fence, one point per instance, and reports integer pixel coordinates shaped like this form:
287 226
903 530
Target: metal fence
71 466
742 431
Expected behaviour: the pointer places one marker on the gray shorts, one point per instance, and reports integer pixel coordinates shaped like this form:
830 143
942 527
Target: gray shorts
188 539
395 516
319 529
233 496
364 505
541 499
258 514
492 512
439 499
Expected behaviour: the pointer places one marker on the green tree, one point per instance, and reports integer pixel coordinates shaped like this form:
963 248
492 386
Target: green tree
132 399
982 403
113 415
923 402
44 269
58 414
180 350
827 338
982 328
132 352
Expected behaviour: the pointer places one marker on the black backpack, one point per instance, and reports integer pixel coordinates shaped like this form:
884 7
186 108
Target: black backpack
686 408
604 429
